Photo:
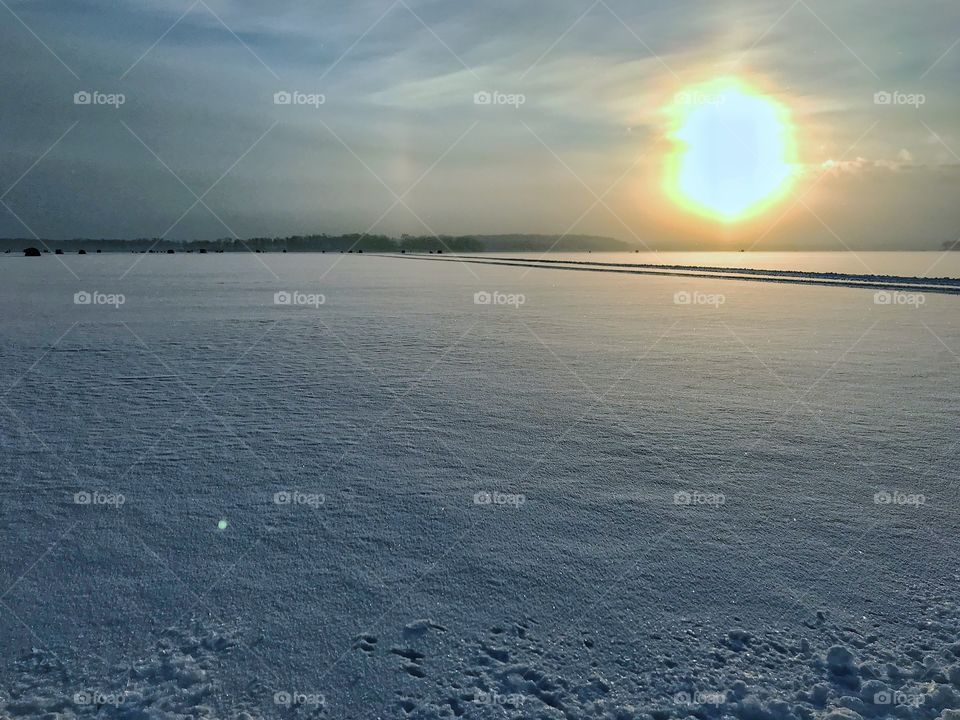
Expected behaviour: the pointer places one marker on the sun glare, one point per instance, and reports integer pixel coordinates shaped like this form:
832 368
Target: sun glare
734 151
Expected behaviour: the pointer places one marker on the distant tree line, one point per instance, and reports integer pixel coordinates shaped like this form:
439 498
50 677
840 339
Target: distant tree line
355 242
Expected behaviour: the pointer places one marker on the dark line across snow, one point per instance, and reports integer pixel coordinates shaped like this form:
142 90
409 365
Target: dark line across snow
949 286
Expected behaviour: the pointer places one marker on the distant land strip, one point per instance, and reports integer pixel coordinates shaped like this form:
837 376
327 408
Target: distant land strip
332 243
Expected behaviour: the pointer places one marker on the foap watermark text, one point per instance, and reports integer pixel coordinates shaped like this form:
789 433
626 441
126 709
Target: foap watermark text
685 297
696 497
699 98
295 97
490 697
98 698
896 97
898 297
498 298
701 697
499 98
95 497
295 497
95 97
896 497
294 297
486 497
99 298
295 698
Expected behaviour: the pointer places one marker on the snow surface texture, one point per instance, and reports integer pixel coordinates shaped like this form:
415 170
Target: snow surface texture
594 502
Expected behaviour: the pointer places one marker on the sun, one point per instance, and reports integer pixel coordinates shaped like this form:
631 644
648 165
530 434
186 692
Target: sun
734 151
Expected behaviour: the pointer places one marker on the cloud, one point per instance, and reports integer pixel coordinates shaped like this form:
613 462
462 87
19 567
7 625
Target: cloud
399 85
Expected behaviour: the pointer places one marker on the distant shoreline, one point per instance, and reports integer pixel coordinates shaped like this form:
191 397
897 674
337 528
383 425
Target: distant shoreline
333 243
357 242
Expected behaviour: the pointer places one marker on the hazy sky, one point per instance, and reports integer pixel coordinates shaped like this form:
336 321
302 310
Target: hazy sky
399 81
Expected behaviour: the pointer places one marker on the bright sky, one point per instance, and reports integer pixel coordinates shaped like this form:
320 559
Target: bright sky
543 116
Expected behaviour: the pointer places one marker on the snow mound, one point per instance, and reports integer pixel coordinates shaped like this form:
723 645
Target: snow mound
176 681
823 670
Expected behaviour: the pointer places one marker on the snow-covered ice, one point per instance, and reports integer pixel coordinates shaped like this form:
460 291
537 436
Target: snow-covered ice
609 497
